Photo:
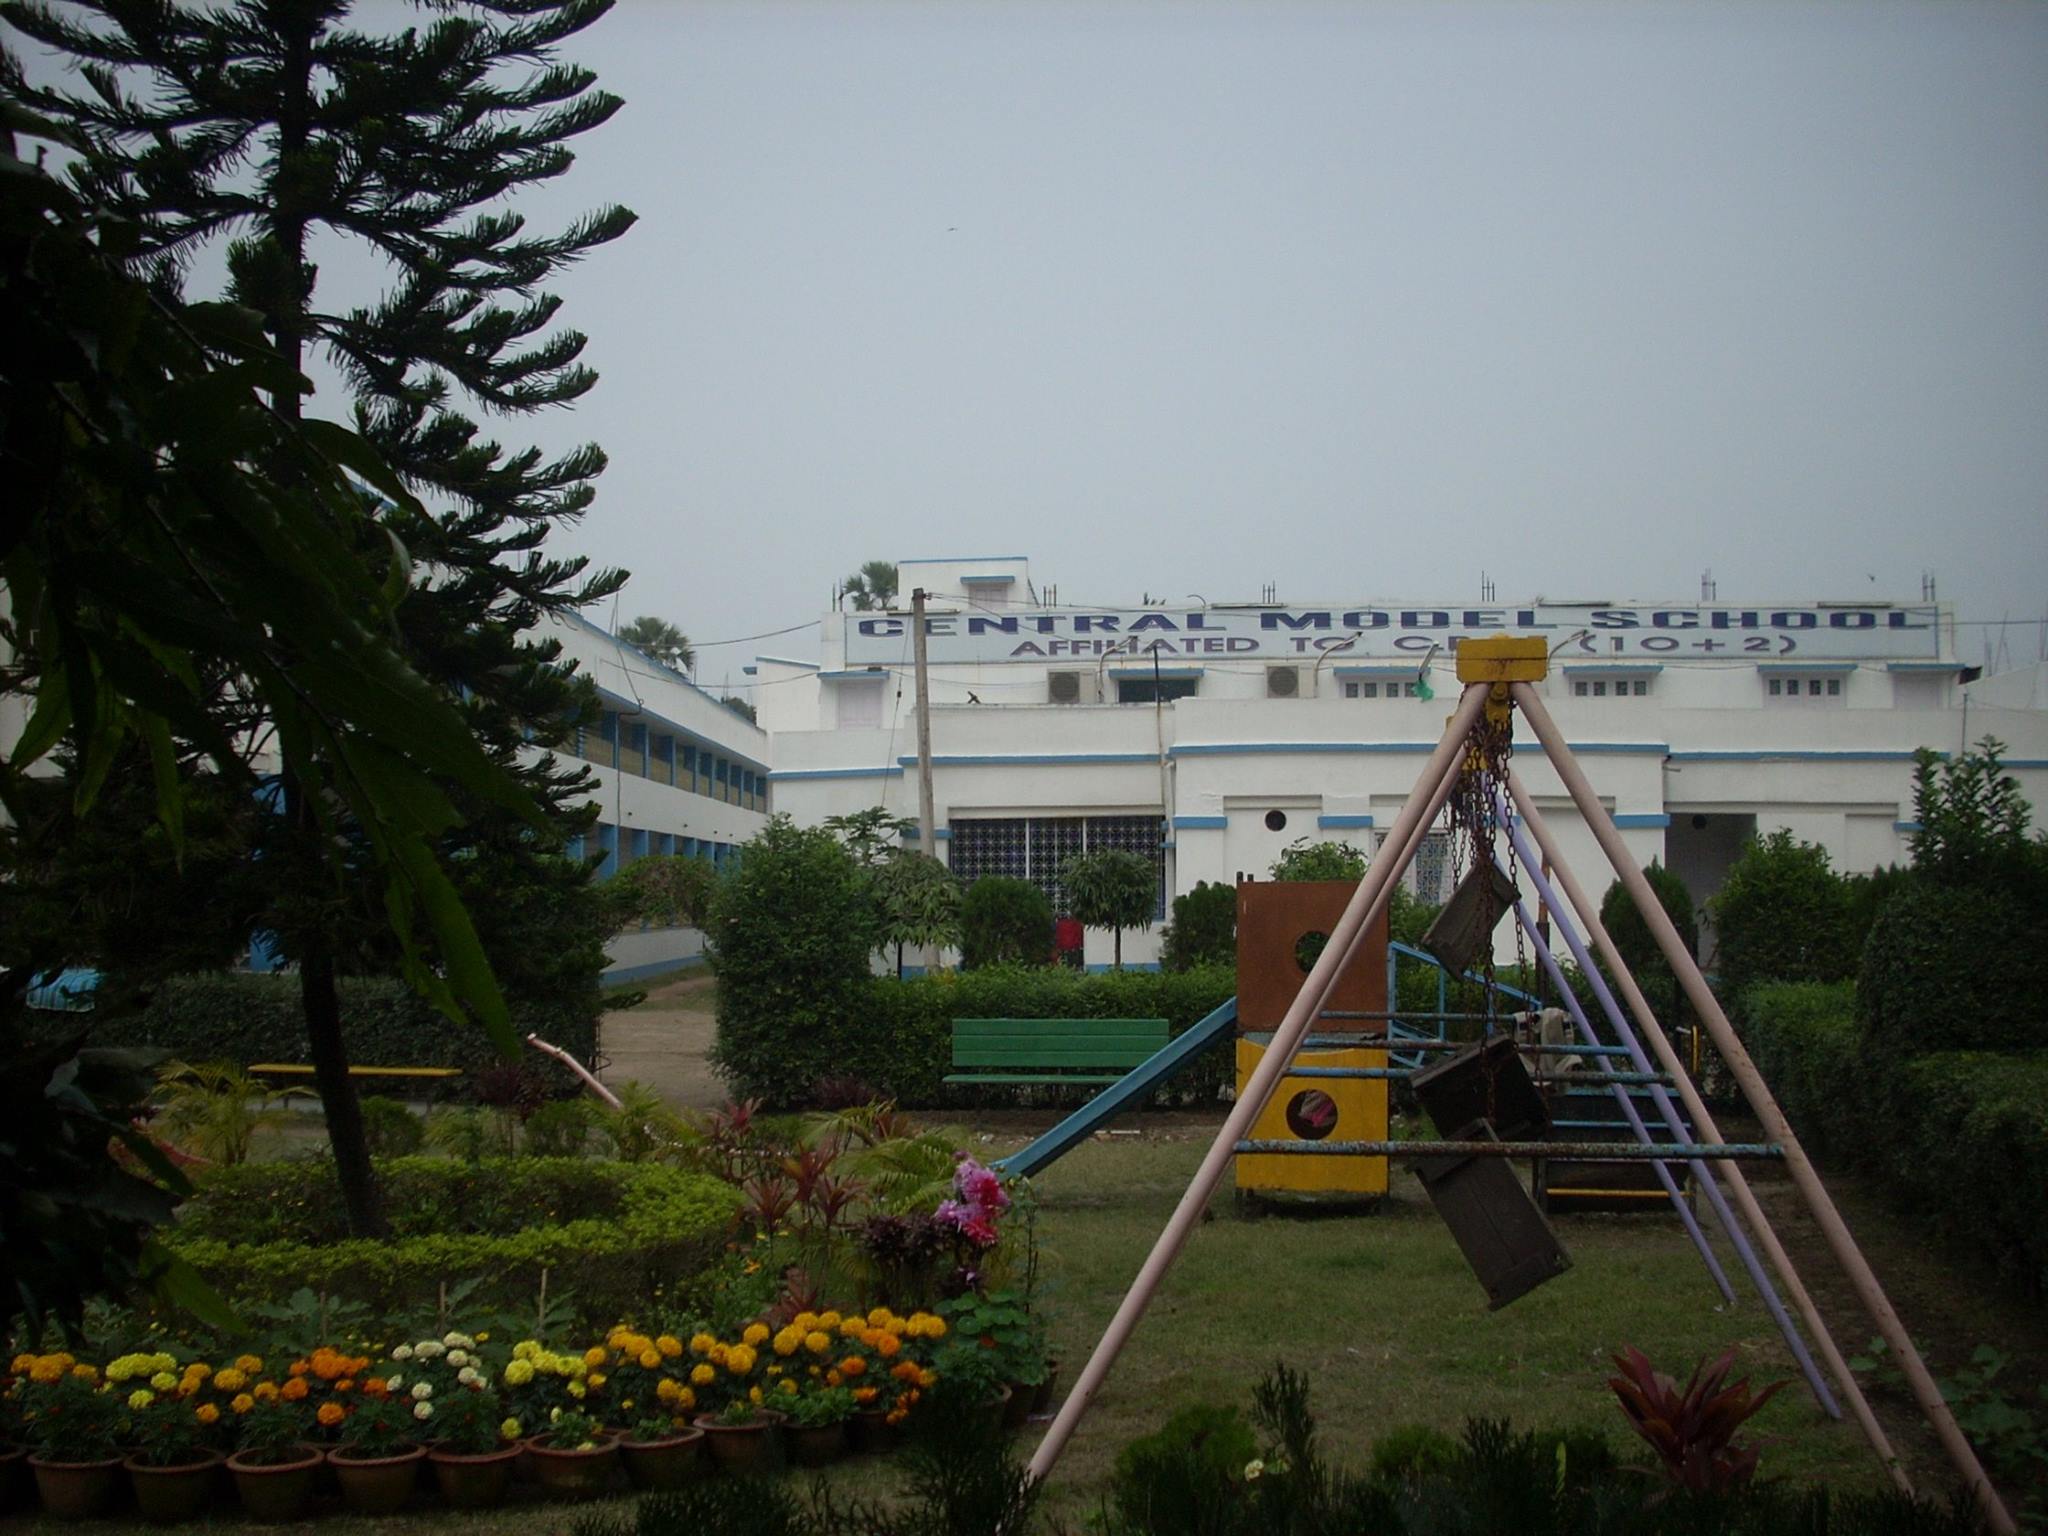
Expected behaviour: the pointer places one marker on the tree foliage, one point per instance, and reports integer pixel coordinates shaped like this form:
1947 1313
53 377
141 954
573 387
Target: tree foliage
1202 930
792 927
658 638
1781 915
1005 922
669 890
1640 951
1974 823
1111 888
872 836
1303 859
873 586
917 902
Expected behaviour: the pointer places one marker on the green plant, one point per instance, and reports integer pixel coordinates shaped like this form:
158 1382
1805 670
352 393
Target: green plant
213 1110
465 1132
1004 922
1692 1429
1955 967
739 1413
571 1430
822 1408
71 1419
168 1432
917 903
1974 824
1202 930
872 835
386 1426
1192 1464
643 1128
469 1420
1412 1451
1781 914
1001 1327
271 1432
1303 859
651 1429
666 890
1639 948
791 931
560 1129
2007 1423
1111 888
391 1128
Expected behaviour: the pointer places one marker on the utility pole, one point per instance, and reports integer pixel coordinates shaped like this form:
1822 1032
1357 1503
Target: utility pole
927 821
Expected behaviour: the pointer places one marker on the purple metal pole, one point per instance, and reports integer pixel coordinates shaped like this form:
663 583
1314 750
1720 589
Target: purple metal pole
1621 1097
1532 866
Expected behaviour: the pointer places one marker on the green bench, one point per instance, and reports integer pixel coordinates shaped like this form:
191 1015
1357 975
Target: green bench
1079 1051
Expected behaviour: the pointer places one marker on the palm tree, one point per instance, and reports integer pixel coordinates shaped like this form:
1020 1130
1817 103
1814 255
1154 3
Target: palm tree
873 585
661 640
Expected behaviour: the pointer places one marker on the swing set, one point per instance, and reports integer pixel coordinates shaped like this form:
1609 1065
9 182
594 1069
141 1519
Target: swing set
1482 1098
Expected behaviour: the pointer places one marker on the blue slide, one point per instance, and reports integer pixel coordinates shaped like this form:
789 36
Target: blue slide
1133 1088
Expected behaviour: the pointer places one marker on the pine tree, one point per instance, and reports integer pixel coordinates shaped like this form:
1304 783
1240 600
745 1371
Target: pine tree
272 125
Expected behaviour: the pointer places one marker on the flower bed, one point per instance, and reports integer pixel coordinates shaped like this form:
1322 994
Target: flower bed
263 1230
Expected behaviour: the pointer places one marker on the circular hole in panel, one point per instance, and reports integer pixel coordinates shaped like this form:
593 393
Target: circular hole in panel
1276 821
1699 823
1312 1114
1308 947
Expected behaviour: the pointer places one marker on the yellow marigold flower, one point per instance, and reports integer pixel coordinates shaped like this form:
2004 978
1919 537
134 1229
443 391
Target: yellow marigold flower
200 1369
669 1345
666 1390
934 1327
231 1380
686 1399
756 1335
804 1322
208 1413
754 1396
828 1319
249 1365
509 1430
701 1342
86 1372
525 1349
265 1391
595 1379
703 1376
593 1356
619 1331
787 1385
878 1315
242 1402
164 1381
817 1343
22 1364
518 1372
141 1398
739 1359
577 1389
650 1359
852 1327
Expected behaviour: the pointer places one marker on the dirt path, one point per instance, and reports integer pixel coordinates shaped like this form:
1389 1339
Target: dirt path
665 1043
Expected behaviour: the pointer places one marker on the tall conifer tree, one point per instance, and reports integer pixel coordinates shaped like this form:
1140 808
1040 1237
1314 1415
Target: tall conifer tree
276 127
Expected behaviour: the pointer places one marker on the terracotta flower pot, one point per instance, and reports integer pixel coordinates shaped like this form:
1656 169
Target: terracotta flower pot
992 1413
1018 1408
743 1447
573 1474
377 1485
173 1493
815 1445
76 1490
276 1490
474 1482
1041 1395
669 1462
871 1433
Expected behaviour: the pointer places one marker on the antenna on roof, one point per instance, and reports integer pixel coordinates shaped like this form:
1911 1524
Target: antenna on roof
1485 588
1708 590
1927 586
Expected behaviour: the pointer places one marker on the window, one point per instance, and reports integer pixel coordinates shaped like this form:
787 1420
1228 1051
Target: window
1033 848
1624 688
1144 690
1818 688
689 775
608 741
1351 690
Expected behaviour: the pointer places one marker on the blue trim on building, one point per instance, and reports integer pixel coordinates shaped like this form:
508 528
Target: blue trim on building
786 775
1343 821
1252 748
641 714
987 581
629 973
913 835
1192 823
1163 673
1129 965
1640 819
1612 668
1035 760
963 560
1923 666
1795 755
1411 669
1905 826
1804 668
870 674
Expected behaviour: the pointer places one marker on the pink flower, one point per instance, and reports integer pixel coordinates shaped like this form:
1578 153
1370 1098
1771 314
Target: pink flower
981 1186
980 1229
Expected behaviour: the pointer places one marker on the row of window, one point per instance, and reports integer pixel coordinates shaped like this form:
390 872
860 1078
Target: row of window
1165 690
638 843
1382 690
1806 687
1600 688
629 745
1033 848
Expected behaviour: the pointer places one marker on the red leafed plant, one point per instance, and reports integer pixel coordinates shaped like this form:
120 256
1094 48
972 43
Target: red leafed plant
1692 1430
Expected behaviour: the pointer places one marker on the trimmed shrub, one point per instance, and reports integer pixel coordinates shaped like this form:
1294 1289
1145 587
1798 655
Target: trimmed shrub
1639 948
1005 922
792 927
1803 1038
243 1018
263 1230
1955 968
1782 915
390 1128
1203 929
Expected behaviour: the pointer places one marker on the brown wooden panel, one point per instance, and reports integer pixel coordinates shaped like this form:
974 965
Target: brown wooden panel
1272 916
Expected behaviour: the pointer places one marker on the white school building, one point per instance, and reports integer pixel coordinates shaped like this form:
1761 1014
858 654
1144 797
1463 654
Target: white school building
1210 737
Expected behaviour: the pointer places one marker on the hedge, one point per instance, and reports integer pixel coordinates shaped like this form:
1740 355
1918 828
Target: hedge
263 1230
1956 968
901 1044
232 1016
1961 1136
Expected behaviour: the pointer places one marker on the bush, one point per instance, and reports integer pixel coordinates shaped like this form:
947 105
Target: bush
1639 948
1782 915
1169 1477
791 931
391 1129
1111 888
1959 1135
899 1038
1203 929
263 1230
1005 922
243 1018
1955 968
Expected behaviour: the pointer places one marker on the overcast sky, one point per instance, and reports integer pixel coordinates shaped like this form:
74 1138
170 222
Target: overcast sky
1361 300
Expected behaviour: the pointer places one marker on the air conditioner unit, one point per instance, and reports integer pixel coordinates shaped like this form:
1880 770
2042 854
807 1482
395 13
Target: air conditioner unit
1282 682
1063 687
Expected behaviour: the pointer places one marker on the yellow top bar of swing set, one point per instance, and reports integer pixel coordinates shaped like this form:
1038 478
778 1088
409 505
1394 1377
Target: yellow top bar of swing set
1504 659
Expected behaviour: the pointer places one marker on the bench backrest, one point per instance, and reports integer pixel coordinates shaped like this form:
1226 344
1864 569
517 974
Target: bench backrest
1057 1042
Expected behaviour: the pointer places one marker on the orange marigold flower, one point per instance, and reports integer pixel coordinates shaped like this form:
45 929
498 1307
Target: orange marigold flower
249 1365
294 1390
207 1413
863 1395
852 1366
265 1391
331 1414
650 1359
299 1368
886 1345
904 1370
243 1402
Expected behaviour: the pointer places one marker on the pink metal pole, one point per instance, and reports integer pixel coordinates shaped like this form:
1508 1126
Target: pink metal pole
1374 891
1728 1173
574 1066
1776 1126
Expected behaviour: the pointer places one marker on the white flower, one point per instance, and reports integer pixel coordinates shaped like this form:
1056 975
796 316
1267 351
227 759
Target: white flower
423 1410
421 1391
393 1382
469 1376
431 1349
1252 1469
457 1357
401 1351
458 1341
